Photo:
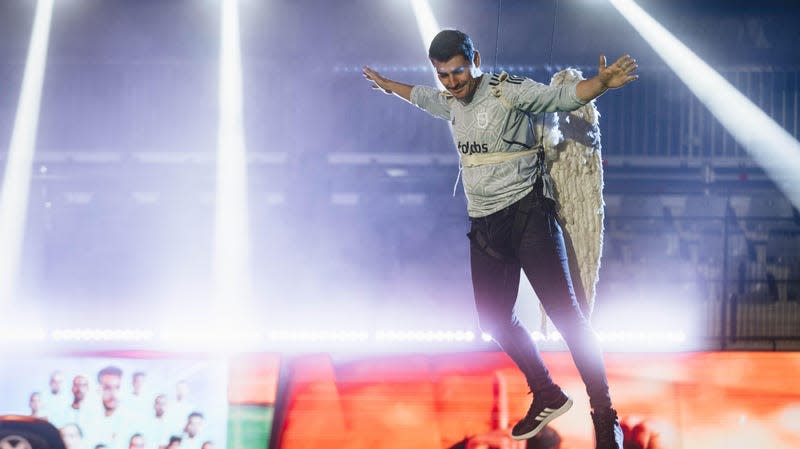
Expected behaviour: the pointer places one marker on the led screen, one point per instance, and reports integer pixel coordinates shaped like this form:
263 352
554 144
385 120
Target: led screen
730 400
132 400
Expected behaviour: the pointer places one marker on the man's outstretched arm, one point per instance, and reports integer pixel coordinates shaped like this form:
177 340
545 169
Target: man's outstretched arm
616 75
402 90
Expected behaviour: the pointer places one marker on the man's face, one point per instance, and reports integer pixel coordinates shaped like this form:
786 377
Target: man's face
459 75
160 405
136 442
109 385
193 426
35 403
55 382
80 386
138 383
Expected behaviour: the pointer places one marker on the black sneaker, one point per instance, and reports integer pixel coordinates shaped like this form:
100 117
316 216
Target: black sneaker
541 412
607 430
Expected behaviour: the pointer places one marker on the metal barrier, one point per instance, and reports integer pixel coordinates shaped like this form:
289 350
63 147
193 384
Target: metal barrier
742 254
659 116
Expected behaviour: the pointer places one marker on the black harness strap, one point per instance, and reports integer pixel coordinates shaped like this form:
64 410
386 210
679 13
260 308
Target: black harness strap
524 208
479 238
521 219
527 204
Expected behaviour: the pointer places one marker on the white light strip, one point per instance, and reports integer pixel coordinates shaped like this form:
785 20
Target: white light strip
427 24
768 143
428 68
232 235
202 338
17 178
317 336
88 335
424 336
551 336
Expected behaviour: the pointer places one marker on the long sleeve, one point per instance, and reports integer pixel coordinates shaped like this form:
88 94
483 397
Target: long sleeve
530 96
431 100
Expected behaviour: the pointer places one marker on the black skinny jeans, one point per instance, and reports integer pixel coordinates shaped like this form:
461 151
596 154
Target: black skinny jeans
543 257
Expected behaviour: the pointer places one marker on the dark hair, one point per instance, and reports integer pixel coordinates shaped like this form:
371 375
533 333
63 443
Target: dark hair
109 370
450 43
195 415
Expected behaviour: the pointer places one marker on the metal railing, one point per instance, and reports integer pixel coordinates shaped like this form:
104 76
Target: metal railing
738 255
659 116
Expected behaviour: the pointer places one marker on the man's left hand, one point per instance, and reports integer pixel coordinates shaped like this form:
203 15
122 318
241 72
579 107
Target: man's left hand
617 74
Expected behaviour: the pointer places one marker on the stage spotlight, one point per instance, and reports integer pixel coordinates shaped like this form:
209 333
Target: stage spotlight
768 143
17 178
232 280
427 24
426 21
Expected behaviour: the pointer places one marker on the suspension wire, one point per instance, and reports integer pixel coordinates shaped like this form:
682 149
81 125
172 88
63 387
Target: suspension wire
497 36
552 36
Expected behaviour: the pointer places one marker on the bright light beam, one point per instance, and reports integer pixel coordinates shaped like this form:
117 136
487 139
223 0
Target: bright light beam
232 276
768 143
17 178
427 24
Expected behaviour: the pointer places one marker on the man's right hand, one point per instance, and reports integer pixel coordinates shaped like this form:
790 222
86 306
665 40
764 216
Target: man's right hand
378 81
386 85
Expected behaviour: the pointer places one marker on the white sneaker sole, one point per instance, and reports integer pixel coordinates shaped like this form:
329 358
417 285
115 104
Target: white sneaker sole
544 418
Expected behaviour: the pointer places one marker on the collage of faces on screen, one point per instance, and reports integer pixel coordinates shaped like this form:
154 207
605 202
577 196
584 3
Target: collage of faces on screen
114 409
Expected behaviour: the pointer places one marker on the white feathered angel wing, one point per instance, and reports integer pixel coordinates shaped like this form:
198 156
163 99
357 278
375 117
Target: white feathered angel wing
577 173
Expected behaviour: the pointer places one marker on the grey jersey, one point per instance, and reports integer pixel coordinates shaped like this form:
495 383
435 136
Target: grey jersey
498 119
